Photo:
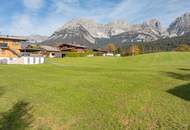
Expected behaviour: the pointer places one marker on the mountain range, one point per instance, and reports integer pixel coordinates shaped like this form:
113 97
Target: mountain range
35 38
90 33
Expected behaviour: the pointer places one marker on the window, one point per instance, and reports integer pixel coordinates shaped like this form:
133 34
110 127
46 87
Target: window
3 45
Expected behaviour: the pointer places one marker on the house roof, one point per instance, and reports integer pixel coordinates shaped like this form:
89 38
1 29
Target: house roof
50 48
30 50
100 50
73 45
13 37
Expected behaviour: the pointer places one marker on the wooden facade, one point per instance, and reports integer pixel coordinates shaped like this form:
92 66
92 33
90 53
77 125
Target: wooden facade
72 48
10 46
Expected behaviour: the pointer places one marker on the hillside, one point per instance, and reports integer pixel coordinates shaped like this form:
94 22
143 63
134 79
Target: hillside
99 93
167 44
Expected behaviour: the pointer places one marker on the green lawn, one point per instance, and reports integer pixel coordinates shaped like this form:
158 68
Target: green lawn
146 92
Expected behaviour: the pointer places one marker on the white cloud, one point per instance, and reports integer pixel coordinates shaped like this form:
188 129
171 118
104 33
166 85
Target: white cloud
26 24
66 7
57 12
61 11
22 25
137 11
33 5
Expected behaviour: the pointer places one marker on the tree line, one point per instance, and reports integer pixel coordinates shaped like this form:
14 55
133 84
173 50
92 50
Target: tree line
181 43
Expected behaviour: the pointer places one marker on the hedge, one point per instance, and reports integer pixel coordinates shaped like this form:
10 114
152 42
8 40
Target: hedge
77 54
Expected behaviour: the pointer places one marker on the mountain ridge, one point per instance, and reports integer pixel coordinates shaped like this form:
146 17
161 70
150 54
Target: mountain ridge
89 32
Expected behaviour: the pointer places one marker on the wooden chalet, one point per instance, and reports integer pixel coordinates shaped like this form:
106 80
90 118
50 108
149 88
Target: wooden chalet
68 47
47 51
10 46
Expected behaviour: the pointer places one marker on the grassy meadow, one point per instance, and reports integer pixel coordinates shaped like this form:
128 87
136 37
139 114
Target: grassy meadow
145 92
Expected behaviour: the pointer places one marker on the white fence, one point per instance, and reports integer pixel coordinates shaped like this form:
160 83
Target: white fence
111 54
22 60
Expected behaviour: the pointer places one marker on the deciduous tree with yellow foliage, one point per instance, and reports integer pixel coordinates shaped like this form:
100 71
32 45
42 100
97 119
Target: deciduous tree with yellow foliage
111 48
133 50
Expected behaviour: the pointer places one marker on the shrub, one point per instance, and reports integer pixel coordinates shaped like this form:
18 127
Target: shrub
183 48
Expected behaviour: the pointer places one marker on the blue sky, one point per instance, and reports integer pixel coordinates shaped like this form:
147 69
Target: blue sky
26 17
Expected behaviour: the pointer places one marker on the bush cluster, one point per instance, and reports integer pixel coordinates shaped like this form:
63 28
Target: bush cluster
78 54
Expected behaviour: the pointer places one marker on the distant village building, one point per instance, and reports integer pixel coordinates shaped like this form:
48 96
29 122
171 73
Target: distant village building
50 51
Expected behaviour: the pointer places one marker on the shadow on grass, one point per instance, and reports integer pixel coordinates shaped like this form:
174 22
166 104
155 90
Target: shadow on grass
185 77
182 91
19 117
184 69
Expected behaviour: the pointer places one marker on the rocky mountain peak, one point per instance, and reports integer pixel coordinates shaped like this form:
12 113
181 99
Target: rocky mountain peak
72 33
94 28
116 27
153 23
118 23
180 26
36 38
